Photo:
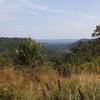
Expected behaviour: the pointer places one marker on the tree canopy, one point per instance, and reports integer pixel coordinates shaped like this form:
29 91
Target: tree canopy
28 53
96 32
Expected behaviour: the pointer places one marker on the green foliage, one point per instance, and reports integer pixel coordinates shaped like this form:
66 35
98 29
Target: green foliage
29 53
85 52
9 44
5 59
7 93
96 31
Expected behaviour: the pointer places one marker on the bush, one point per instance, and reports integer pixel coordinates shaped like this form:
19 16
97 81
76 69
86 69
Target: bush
28 53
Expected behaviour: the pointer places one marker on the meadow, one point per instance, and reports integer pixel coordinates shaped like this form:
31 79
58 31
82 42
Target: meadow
47 85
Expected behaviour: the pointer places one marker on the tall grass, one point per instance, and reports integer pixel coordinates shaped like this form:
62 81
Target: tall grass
47 85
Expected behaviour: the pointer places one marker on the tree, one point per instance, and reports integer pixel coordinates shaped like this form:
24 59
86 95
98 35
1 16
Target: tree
29 53
96 31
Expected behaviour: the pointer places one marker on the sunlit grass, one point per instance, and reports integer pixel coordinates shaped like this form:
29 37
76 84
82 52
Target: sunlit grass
16 85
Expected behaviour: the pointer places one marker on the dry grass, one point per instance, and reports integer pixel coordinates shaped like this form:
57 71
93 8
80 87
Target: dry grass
49 86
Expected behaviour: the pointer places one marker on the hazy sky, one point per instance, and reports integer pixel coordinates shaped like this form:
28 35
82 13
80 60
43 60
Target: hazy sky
49 18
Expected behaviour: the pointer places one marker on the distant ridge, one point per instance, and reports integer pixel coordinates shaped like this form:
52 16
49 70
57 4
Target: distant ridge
56 41
78 41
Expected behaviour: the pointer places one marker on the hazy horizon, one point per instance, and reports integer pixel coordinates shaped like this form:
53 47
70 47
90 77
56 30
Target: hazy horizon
43 38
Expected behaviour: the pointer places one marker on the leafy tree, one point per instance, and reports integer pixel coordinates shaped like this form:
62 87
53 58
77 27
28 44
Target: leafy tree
96 31
28 53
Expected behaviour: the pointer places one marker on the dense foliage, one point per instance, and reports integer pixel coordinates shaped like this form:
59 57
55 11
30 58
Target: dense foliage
64 57
8 44
86 52
29 53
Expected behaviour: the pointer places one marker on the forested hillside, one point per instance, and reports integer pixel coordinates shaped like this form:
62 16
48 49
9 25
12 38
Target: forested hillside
7 44
53 46
85 50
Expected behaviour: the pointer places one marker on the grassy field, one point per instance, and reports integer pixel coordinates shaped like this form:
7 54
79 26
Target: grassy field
47 85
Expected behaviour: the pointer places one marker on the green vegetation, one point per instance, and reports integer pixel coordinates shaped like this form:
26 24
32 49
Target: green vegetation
29 53
29 71
96 31
48 86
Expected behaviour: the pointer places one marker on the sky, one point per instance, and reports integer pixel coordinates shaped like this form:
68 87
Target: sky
49 19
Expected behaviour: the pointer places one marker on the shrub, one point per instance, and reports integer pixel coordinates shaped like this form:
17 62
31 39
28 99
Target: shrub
28 53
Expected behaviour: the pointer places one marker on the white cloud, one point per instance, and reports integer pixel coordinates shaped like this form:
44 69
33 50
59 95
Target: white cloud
63 12
88 16
39 7
25 1
33 12
30 5
55 21
58 11
11 10
56 17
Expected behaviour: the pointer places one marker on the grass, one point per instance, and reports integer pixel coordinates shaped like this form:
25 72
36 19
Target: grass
47 84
